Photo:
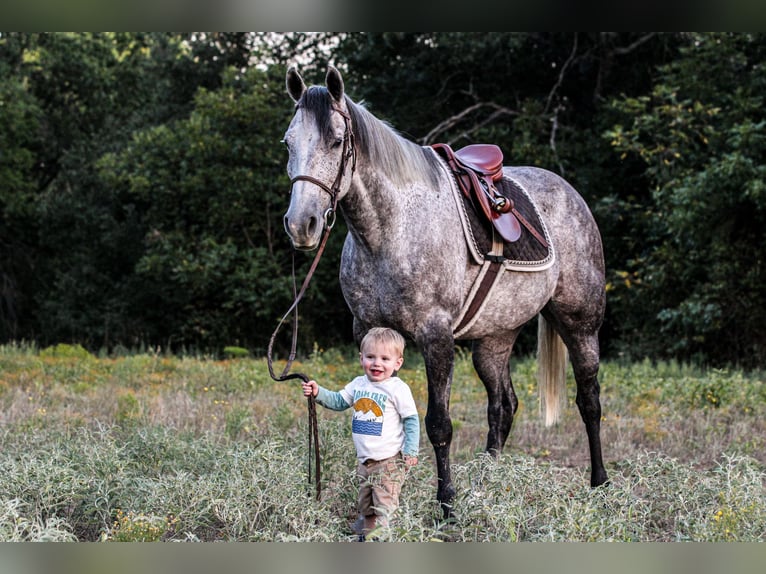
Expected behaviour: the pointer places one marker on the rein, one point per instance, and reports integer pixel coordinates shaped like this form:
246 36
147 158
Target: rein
313 435
349 152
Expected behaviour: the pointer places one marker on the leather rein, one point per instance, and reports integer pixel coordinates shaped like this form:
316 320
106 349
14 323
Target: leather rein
349 152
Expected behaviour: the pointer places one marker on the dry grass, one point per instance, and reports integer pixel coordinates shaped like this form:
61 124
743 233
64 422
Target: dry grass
151 447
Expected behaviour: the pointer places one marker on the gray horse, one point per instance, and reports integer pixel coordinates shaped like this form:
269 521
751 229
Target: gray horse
407 264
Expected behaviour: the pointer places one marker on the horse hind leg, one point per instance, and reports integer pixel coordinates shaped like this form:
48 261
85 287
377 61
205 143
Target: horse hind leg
491 361
583 349
585 363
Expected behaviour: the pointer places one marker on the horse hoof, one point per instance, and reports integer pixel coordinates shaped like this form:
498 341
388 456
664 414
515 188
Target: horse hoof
445 497
599 480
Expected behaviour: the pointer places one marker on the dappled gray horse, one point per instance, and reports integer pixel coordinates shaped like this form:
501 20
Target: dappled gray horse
407 264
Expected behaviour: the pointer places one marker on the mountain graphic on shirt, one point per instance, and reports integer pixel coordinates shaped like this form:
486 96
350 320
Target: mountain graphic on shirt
367 409
368 417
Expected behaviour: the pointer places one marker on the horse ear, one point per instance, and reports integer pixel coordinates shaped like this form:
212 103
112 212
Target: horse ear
295 84
334 83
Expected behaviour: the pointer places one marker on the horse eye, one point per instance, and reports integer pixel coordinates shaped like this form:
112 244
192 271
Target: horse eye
337 142
284 141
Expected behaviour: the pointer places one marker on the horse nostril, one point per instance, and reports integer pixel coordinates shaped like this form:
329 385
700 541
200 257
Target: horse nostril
301 230
312 226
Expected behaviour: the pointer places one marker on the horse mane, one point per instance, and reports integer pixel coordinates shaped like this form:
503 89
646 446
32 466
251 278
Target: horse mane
403 161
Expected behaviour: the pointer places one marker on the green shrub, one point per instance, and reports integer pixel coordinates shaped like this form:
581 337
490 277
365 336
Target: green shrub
65 351
235 352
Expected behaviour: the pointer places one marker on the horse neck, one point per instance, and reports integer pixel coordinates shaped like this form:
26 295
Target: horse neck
378 209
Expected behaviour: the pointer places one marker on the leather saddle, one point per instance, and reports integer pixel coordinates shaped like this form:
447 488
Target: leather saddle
477 167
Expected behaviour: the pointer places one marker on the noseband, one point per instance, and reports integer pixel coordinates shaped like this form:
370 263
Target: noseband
349 152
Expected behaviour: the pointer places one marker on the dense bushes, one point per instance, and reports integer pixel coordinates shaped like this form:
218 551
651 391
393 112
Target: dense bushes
144 183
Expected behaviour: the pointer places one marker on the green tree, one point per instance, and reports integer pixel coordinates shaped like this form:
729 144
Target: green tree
143 187
210 191
19 140
698 272
69 274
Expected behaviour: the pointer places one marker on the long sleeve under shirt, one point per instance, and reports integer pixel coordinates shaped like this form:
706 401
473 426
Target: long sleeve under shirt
385 420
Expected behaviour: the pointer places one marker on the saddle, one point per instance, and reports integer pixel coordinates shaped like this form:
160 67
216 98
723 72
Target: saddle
477 167
478 170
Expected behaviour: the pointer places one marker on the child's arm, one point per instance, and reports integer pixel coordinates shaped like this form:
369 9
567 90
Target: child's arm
328 399
411 439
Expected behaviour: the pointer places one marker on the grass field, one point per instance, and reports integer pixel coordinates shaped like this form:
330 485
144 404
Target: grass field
149 447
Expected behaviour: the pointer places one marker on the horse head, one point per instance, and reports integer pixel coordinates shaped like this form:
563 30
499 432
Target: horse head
322 158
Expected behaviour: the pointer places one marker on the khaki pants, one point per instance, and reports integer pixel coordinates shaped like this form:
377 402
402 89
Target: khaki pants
380 483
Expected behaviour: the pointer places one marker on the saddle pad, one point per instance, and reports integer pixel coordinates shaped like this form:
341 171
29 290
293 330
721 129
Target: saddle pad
527 252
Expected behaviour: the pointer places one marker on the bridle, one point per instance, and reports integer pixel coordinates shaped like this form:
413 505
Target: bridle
348 152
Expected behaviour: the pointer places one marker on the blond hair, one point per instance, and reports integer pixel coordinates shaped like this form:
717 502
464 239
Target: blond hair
384 336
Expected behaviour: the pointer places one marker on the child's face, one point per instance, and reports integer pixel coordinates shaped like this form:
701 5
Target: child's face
379 361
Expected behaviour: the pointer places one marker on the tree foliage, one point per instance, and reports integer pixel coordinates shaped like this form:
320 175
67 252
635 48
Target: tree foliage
208 191
698 272
143 185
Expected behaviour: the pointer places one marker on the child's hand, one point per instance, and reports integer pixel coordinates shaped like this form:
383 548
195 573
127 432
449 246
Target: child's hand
310 389
410 460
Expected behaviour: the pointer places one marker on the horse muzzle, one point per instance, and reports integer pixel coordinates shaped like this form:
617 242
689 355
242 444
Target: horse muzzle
304 233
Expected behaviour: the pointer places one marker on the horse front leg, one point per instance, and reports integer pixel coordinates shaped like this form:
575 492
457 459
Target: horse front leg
437 346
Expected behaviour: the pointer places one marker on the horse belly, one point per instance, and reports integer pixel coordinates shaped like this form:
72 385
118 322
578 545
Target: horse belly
516 298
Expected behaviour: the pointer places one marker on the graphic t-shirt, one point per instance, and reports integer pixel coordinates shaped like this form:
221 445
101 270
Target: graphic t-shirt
379 408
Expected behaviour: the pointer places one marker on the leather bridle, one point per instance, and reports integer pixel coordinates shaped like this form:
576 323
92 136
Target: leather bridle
348 152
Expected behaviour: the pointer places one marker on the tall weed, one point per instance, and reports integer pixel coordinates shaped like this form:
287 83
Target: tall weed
150 447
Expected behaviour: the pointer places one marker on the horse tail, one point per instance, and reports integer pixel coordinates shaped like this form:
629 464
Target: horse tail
552 359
